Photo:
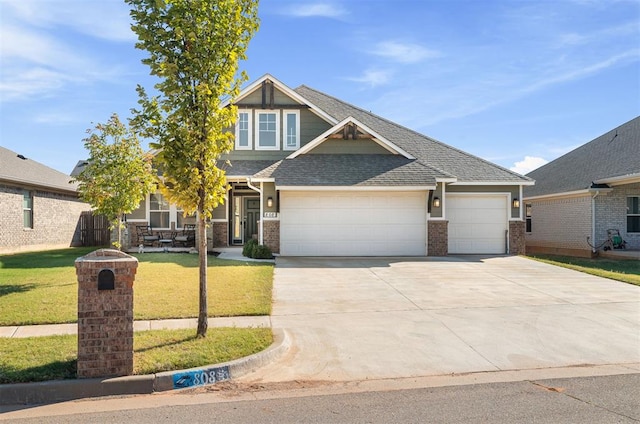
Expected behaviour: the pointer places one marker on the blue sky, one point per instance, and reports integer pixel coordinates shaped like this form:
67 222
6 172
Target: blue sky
514 82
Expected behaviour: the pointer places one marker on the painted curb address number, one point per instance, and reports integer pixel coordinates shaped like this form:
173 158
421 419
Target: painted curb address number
200 377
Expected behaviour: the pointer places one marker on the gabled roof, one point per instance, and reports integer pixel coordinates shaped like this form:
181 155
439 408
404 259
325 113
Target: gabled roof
434 154
614 156
286 90
379 170
18 170
386 144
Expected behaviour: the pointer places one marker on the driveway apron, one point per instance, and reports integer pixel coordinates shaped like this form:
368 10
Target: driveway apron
375 318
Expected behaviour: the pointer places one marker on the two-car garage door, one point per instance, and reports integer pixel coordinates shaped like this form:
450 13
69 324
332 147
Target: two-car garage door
352 223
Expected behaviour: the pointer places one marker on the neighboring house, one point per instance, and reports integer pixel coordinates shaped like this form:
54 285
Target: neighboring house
39 207
585 193
311 175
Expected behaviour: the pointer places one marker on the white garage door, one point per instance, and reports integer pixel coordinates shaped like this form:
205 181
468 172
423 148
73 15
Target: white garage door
351 223
477 223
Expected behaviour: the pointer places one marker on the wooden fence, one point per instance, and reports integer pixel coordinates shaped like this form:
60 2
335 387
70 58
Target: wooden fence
94 230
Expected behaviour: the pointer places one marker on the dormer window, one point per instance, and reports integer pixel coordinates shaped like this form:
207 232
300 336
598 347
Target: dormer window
291 129
267 130
266 133
243 130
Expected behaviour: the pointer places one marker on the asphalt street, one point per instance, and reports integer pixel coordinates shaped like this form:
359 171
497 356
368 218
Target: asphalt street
604 399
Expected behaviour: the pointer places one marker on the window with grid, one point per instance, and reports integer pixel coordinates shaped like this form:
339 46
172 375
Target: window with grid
27 209
158 211
243 130
633 214
267 131
292 129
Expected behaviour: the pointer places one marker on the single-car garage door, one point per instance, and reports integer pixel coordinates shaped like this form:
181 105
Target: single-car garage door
477 223
352 223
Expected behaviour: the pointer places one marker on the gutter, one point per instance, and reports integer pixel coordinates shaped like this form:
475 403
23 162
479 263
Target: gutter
259 190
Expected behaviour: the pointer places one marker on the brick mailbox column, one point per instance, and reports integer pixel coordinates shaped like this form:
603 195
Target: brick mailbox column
105 313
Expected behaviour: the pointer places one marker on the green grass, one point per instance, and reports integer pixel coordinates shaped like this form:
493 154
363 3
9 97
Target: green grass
41 287
627 271
54 357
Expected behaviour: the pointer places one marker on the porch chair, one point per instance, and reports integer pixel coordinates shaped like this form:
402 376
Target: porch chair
146 236
187 236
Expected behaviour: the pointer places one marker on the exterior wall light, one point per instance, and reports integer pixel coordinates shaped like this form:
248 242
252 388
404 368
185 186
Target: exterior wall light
516 203
436 202
269 202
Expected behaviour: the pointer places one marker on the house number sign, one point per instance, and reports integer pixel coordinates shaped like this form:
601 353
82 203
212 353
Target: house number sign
271 214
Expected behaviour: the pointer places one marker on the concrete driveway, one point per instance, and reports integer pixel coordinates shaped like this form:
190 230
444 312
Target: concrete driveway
357 319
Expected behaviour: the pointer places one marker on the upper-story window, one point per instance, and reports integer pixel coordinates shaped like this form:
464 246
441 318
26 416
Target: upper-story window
267 130
243 130
291 129
261 130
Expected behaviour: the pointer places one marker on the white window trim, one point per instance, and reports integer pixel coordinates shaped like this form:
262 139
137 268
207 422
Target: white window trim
631 214
250 129
285 136
257 130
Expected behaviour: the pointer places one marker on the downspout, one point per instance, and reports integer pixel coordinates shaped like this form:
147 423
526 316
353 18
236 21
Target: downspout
593 221
259 190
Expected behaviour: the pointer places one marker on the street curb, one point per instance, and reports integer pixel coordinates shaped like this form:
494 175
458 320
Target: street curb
65 390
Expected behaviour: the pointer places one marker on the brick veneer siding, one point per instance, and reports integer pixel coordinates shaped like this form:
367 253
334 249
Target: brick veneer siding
56 219
517 243
438 243
560 226
105 317
272 235
611 213
219 234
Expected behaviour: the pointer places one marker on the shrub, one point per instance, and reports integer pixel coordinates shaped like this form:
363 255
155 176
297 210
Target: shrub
261 252
248 247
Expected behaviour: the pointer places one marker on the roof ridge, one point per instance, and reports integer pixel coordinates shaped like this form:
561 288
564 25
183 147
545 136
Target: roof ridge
445 145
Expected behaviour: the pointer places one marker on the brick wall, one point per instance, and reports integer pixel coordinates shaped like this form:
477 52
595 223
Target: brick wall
517 243
438 243
560 226
105 317
272 235
55 220
219 234
611 213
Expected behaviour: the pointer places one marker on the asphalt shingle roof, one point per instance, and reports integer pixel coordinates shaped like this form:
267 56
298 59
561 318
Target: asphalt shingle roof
14 169
244 168
613 154
350 170
430 152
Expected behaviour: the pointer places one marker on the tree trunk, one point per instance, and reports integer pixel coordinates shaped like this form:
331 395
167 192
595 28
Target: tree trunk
203 322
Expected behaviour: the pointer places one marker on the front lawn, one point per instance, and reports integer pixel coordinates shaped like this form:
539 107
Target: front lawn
627 271
54 357
41 287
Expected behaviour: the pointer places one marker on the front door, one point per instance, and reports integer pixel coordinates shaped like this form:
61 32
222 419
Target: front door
252 217
246 214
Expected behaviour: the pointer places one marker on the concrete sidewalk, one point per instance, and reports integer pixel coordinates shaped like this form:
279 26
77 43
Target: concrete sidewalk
164 324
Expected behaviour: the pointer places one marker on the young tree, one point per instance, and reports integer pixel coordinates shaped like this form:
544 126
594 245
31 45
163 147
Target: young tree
194 47
118 174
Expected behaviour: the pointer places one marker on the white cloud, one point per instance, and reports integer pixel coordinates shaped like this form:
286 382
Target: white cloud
528 164
403 52
101 19
373 78
324 10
